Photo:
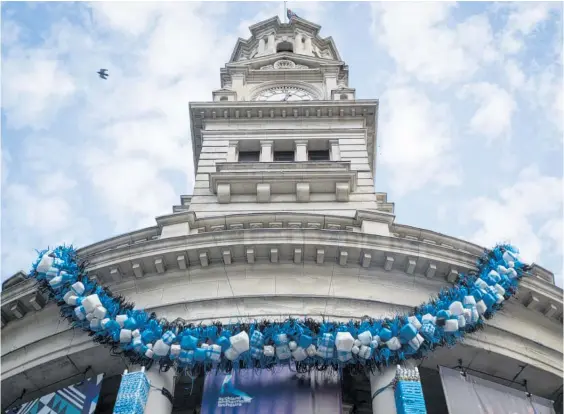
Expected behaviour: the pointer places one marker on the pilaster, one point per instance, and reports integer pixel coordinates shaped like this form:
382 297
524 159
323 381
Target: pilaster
266 151
301 150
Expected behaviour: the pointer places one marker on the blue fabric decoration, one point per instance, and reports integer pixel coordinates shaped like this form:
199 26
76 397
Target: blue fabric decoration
442 321
189 342
305 341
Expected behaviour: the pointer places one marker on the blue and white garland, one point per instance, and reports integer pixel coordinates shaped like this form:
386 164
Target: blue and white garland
370 343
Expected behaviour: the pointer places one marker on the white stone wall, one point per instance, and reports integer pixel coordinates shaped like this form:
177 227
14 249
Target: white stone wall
349 144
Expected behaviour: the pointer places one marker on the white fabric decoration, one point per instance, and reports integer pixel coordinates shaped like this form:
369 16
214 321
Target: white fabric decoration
451 325
135 333
240 342
78 288
175 349
299 354
394 343
355 350
149 353
469 300
121 320
95 324
365 337
57 280
365 352
311 351
268 350
100 312
456 308
293 345
137 343
231 354
357 343
125 336
481 284
416 342
481 307
415 322
45 263
91 302
283 352
79 312
89 316
499 289
462 321
215 352
430 318
160 348
67 296
344 341
105 322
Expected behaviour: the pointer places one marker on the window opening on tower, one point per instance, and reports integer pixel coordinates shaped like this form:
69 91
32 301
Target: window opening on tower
285 47
249 156
283 156
318 155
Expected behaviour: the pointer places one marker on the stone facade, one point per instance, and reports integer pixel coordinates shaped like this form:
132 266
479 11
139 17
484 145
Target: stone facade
283 220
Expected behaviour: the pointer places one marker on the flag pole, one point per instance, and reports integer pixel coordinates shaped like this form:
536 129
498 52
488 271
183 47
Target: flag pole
285 12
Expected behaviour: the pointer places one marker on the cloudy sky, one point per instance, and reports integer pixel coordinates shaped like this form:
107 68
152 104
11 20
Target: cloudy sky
470 128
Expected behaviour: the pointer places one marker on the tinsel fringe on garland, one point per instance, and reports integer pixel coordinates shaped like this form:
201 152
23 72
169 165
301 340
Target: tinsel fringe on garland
366 344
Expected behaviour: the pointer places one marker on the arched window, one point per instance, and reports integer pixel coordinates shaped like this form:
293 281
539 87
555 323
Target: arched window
284 47
223 98
344 97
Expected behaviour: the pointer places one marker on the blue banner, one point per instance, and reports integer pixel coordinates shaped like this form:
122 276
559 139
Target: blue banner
279 391
80 398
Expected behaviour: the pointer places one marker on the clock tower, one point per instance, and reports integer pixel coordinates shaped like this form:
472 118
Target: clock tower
285 132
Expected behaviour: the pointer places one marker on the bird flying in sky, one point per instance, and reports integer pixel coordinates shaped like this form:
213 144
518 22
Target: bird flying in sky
103 73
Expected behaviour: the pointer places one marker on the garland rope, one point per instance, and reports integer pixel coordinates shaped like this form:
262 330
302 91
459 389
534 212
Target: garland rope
312 345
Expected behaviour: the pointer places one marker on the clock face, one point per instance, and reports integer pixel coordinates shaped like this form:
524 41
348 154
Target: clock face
284 93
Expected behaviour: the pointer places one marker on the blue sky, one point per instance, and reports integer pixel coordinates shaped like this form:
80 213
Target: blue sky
470 125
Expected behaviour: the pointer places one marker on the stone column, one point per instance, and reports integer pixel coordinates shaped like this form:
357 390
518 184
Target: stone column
301 150
335 151
308 49
384 402
261 46
298 45
158 403
270 48
232 151
266 151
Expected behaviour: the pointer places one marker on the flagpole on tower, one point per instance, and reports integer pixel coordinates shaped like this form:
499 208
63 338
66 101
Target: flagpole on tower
285 12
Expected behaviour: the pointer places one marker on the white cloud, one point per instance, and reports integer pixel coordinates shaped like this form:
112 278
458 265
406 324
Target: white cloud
512 216
131 190
515 76
418 146
34 103
523 19
418 36
496 107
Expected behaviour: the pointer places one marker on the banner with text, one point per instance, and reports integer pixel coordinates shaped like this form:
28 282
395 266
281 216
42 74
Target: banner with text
279 391
472 395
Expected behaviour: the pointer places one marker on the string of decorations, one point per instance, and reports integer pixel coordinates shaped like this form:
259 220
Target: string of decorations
364 344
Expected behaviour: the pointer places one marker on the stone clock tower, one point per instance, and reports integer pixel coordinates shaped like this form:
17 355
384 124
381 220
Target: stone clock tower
285 131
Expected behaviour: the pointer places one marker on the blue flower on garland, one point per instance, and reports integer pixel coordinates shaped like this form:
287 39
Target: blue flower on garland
370 343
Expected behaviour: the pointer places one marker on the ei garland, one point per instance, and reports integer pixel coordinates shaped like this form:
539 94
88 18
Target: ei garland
368 343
